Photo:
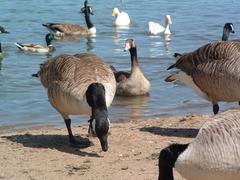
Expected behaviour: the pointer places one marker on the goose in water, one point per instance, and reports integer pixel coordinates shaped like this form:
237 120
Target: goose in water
213 155
2 30
80 84
62 29
227 29
212 70
131 83
35 48
122 18
155 28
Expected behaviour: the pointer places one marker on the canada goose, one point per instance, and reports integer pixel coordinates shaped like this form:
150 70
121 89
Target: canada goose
2 30
212 71
122 18
213 155
80 84
155 28
131 83
63 29
38 48
227 29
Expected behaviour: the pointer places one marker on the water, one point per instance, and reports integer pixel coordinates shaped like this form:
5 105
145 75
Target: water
24 102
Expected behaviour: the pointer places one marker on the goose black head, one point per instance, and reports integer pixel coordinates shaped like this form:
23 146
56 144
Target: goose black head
49 37
229 27
99 122
129 44
86 9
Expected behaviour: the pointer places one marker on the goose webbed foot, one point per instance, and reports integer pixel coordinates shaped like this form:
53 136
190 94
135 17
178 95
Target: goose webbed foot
215 108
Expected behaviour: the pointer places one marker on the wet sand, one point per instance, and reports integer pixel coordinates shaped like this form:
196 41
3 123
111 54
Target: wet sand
133 151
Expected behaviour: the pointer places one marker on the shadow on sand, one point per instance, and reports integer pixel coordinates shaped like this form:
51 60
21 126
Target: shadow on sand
58 142
172 132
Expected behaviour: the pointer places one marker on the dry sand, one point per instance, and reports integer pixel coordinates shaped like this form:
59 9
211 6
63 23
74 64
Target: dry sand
133 151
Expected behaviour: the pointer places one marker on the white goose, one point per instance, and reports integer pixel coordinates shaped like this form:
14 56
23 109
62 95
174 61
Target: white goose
155 28
122 18
213 155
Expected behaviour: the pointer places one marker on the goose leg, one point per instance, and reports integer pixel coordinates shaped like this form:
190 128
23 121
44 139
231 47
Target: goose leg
215 108
72 140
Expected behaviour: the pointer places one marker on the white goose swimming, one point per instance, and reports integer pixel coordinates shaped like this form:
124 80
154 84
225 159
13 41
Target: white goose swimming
122 18
155 28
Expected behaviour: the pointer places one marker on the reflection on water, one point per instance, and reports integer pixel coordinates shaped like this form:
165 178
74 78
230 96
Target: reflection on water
137 106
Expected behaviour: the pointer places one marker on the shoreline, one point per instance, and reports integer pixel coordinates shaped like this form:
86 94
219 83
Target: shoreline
134 148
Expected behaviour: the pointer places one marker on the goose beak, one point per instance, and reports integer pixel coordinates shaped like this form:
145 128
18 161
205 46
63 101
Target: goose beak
104 143
114 14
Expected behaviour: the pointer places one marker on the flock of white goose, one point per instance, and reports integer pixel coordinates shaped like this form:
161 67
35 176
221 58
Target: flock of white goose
84 84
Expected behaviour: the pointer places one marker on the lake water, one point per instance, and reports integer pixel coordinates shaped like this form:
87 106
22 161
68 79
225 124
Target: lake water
24 102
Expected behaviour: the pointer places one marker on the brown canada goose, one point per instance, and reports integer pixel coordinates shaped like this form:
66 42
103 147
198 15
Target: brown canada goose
213 155
133 83
80 84
227 29
63 29
212 71
38 48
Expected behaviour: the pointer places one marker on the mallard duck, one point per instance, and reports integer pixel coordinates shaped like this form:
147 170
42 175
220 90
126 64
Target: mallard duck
2 30
213 155
155 28
131 83
38 48
122 18
80 84
63 29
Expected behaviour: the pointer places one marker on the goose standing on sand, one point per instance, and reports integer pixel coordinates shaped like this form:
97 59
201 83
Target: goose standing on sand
80 84
122 18
133 83
2 30
38 48
155 28
63 29
213 155
212 70
227 29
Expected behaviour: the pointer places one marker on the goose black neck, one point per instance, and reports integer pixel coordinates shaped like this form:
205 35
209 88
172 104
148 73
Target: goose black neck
134 59
95 96
88 21
225 35
167 159
0 48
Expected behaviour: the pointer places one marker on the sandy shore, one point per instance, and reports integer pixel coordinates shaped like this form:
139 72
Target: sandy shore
133 151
